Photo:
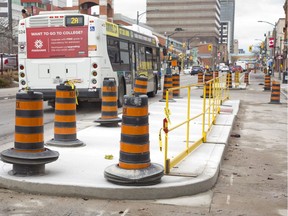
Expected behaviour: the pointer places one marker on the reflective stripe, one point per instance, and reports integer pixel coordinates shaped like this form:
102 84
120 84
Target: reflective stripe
134 130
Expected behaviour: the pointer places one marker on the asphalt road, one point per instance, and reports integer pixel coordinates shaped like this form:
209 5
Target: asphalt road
252 180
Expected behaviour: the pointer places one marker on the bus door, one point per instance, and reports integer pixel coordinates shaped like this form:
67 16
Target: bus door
132 63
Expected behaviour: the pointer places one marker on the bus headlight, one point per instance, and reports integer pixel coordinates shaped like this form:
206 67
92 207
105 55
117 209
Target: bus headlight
94 81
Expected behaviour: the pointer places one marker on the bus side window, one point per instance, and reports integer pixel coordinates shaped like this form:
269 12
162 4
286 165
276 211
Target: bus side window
155 59
141 58
148 52
124 52
132 57
113 50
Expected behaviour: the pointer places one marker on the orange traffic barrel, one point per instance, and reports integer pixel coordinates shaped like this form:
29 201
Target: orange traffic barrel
267 83
229 80
208 85
65 132
168 83
29 155
200 77
135 167
246 78
237 78
109 108
175 84
275 93
140 87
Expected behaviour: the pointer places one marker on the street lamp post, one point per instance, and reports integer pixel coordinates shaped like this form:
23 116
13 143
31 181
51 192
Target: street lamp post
189 41
139 15
275 43
168 71
175 31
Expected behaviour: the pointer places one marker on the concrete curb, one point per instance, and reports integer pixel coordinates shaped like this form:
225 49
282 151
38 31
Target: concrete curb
201 183
96 186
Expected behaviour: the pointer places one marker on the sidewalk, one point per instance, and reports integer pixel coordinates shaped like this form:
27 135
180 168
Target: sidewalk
79 171
6 93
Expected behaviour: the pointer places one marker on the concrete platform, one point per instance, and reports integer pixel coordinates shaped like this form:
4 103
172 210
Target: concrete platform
79 171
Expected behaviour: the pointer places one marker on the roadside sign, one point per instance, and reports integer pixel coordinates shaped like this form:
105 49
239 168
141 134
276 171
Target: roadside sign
271 42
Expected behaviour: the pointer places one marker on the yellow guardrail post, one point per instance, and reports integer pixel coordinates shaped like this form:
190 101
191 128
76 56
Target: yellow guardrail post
203 113
188 119
166 121
210 109
166 161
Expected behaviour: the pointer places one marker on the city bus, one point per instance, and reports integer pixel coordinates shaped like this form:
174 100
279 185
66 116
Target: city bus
59 46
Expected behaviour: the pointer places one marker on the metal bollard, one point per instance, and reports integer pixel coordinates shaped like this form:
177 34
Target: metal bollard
109 108
134 166
140 87
29 155
275 93
167 84
65 132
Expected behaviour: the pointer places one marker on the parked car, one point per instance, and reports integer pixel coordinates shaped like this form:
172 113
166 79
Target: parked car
225 69
187 70
237 68
195 69
8 62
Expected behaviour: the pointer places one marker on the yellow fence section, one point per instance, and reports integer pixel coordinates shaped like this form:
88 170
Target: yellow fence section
215 91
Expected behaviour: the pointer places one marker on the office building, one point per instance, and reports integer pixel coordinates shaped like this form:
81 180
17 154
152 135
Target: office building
227 15
198 18
58 3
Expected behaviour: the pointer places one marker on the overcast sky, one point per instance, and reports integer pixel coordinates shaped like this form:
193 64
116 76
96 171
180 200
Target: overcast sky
247 13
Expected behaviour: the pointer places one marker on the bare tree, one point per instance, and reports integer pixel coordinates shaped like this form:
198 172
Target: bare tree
6 35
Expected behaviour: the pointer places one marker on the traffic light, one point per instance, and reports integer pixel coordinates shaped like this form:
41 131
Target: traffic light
209 47
250 48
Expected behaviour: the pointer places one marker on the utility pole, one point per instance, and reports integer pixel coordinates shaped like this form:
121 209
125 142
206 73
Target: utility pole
10 28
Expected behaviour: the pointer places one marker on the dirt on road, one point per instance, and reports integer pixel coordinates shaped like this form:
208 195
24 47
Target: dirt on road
253 178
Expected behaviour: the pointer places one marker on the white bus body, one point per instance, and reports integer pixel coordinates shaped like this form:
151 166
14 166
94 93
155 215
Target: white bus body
58 47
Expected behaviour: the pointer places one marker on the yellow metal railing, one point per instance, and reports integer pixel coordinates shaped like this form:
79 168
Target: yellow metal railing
212 99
